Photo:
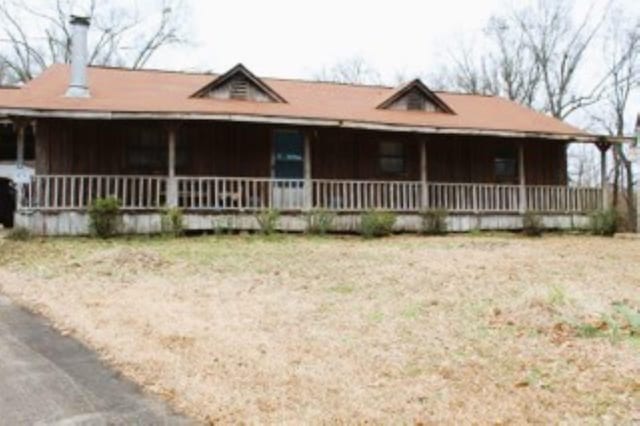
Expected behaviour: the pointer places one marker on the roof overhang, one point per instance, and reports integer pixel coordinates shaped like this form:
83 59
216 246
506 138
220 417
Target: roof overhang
302 121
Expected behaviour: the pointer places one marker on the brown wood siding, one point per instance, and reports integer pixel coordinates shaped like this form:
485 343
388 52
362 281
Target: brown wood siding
234 149
348 154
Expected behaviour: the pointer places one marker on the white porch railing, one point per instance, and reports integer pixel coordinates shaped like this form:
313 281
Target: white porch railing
73 192
76 192
222 193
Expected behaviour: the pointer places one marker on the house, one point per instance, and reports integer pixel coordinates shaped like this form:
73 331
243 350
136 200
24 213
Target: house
223 147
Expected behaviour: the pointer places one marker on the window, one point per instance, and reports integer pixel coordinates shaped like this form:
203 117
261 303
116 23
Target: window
506 165
147 153
391 158
9 144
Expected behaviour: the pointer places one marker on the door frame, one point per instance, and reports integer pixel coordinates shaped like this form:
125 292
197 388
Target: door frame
273 148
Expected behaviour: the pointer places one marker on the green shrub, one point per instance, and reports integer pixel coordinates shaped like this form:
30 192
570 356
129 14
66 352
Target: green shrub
268 221
104 217
532 225
173 222
604 222
319 222
19 234
377 224
222 225
434 222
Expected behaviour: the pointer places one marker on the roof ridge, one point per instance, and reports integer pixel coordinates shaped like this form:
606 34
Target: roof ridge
289 79
214 74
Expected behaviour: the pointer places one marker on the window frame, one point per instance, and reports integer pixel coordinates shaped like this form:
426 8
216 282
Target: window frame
401 155
506 159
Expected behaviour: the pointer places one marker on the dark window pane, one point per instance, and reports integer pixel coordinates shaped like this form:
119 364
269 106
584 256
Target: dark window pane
391 159
392 165
506 164
148 152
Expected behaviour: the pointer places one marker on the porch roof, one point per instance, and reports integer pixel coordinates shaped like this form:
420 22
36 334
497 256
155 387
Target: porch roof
121 93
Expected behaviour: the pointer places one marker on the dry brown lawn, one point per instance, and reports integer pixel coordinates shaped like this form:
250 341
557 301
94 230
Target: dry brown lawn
459 329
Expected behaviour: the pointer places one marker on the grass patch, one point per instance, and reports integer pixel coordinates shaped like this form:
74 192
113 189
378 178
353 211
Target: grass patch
413 311
343 289
557 296
286 320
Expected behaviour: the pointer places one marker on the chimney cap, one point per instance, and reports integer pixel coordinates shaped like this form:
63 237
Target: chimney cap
80 20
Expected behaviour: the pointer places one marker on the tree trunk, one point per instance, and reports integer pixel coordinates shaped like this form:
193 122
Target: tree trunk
616 178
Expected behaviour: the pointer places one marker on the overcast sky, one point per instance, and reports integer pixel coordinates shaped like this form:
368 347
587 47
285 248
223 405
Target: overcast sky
296 38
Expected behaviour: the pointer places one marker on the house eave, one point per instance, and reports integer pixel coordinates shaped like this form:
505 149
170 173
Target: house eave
301 121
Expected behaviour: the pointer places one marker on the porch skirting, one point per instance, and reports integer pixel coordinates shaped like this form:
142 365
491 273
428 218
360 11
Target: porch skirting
77 222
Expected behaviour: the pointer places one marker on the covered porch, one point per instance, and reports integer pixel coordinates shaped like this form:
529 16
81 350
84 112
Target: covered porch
233 170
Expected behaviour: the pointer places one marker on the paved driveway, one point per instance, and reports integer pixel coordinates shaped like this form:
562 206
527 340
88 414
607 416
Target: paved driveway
46 378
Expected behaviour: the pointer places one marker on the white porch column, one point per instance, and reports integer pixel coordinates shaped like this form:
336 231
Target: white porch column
424 175
172 184
522 179
604 186
308 184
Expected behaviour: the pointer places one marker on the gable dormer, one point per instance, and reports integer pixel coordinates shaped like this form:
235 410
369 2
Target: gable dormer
239 84
415 96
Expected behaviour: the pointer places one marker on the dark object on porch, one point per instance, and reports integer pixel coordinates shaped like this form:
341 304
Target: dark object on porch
7 202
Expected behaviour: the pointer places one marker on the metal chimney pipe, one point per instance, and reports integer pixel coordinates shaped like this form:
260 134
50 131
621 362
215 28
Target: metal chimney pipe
78 87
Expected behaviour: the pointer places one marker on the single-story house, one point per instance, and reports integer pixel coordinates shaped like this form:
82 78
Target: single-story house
223 147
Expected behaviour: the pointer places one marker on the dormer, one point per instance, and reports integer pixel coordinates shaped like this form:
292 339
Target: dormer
415 96
239 84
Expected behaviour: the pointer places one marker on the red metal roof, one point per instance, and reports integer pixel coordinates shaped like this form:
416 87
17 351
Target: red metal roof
160 92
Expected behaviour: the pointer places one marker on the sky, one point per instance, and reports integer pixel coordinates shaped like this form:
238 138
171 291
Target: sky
289 38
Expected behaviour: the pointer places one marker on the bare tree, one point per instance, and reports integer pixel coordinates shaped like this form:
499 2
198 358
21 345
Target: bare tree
622 56
121 35
506 68
560 47
536 55
354 70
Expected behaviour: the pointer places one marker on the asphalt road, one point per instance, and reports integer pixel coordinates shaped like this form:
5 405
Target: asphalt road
50 379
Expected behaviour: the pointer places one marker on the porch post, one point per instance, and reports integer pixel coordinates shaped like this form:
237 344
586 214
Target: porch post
21 126
172 184
308 184
424 176
522 179
604 146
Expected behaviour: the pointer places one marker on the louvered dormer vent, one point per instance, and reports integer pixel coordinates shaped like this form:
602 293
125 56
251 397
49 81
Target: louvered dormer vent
416 101
239 89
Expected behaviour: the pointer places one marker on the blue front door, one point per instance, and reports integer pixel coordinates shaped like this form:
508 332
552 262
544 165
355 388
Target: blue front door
289 154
